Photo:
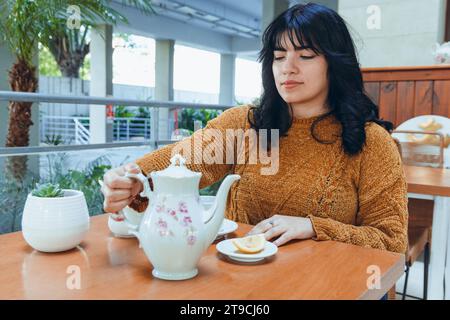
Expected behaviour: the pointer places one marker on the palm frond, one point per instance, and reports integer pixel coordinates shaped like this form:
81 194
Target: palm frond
24 23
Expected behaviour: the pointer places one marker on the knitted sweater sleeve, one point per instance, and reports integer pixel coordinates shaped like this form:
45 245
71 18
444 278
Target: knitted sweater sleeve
202 151
383 199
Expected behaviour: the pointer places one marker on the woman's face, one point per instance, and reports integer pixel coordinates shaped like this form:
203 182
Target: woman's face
300 75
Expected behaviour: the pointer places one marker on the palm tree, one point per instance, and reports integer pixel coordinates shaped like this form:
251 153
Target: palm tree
69 46
25 23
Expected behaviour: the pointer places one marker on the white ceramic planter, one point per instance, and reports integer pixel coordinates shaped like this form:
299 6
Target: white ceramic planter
55 224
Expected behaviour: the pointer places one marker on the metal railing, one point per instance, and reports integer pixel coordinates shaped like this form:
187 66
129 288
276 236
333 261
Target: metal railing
153 124
70 130
82 134
75 130
126 128
38 97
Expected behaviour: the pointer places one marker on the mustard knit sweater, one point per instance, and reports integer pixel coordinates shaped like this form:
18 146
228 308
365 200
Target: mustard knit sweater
360 199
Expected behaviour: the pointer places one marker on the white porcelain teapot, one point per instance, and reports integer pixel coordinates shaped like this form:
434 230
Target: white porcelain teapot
175 230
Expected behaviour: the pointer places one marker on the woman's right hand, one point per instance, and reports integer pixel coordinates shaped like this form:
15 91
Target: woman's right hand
118 190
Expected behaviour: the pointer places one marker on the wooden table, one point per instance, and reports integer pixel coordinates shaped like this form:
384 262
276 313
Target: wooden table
435 182
426 180
114 268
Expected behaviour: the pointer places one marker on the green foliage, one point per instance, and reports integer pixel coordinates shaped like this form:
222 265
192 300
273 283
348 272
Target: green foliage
255 102
188 116
123 112
47 64
47 190
143 112
54 139
49 68
86 181
211 190
85 71
126 112
20 23
13 193
127 39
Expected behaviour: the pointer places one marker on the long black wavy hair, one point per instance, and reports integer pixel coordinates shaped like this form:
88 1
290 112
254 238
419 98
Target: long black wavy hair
326 33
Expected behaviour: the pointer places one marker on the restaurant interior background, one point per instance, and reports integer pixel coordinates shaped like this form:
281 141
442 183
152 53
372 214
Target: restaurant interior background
190 53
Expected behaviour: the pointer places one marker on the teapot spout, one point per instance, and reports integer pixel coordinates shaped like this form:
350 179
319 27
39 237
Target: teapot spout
217 211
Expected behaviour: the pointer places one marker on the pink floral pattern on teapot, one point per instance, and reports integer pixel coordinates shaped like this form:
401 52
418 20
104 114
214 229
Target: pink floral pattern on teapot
179 214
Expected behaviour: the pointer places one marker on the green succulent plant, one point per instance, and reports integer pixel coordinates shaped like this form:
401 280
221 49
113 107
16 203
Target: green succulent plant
47 190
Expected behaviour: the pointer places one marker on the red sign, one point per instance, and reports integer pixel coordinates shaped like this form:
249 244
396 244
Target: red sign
109 111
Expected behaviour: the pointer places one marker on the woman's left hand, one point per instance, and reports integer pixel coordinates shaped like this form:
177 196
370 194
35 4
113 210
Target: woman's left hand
286 227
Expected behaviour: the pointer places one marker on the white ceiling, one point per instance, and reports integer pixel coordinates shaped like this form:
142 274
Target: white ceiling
252 8
224 26
235 18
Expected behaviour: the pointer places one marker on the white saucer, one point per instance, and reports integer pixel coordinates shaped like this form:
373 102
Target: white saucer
227 248
227 226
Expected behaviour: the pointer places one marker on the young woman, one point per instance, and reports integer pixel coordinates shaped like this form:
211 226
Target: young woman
339 174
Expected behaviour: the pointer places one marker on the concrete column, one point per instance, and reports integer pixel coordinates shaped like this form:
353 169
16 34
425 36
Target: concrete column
227 74
164 55
101 82
271 10
442 16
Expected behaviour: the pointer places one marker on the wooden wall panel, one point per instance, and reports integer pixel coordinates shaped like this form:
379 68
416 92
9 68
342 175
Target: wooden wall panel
405 101
388 100
423 98
437 72
441 98
406 92
373 90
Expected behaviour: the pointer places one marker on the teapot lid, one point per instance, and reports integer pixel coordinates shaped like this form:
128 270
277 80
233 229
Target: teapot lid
177 169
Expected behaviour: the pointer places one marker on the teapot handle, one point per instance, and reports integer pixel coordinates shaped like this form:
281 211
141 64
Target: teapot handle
147 192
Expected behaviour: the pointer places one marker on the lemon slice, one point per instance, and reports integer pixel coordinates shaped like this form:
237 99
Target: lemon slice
430 125
250 244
